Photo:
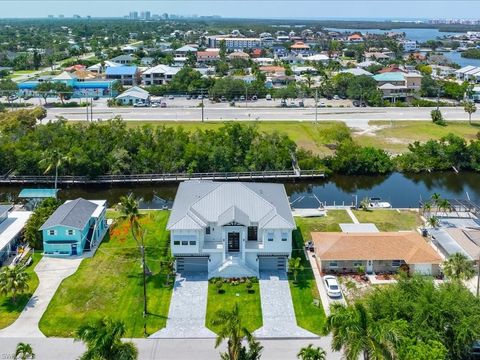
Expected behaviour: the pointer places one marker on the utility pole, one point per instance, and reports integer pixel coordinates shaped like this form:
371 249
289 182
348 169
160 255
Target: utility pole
203 114
246 95
438 98
86 107
316 106
91 109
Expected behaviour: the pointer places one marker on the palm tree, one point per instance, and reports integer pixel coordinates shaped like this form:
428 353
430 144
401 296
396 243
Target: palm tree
311 353
232 330
128 208
365 203
444 205
355 331
24 351
458 267
53 159
435 198
13 280
104 341
427 207
433 221
469 108
295 266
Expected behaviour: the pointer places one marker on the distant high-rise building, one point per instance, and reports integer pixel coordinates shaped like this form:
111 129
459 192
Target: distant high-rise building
165 16
142 15
76 16
61 16
133 15
147 15
51 16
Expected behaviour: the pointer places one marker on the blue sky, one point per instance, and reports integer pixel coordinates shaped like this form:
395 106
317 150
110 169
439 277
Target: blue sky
260 9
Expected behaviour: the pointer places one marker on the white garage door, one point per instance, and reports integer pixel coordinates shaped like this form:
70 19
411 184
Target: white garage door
191 264
423 269
277 263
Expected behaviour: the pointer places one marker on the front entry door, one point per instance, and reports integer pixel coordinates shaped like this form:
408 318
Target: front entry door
233 242
369 266
74 249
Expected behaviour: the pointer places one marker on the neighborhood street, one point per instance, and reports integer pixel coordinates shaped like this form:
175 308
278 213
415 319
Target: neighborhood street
163 349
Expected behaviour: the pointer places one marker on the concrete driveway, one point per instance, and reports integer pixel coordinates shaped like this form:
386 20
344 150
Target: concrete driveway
188 308
278 314
51 272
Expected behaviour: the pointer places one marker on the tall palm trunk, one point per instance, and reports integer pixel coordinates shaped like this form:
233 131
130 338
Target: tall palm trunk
56 176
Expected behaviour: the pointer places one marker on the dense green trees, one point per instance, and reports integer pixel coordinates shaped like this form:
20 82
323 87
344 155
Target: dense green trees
437 319
450 151
111 148
351 158
32 235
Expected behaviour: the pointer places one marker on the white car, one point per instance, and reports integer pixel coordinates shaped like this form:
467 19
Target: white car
333 289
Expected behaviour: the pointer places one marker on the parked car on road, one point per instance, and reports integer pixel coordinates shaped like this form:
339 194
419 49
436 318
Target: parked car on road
140 104
163 104
321 104
331 284
170 97
268 97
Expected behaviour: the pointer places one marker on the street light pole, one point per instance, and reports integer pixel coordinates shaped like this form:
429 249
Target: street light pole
316 105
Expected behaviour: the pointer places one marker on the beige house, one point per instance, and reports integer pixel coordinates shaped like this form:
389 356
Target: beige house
383 252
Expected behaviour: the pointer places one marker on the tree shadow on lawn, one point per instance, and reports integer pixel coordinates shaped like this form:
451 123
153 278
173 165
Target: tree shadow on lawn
22 301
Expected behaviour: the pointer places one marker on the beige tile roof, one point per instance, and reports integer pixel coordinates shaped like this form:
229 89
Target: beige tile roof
407 246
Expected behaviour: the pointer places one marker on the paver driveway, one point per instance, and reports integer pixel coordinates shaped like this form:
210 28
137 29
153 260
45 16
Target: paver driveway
188 308
277 308
51 272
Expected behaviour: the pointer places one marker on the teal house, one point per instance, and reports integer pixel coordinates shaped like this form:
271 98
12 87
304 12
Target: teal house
75 227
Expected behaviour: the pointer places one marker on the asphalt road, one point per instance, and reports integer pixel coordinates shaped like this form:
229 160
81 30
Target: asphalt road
352 116
164 349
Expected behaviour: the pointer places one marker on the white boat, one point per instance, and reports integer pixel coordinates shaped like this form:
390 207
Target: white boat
377 203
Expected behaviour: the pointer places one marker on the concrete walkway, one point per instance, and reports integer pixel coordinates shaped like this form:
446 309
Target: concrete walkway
188 308
51 272
352 216
278 314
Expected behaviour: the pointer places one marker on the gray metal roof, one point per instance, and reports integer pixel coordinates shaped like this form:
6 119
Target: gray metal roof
73 214
5 208
198 203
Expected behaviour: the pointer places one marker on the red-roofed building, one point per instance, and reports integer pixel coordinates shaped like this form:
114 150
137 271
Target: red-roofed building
355 38
300 45
392 68
256 53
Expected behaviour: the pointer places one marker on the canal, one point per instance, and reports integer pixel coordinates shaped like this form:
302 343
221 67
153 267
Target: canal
401 190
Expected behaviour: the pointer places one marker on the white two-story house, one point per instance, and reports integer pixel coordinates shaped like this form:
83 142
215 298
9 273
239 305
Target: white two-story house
231 229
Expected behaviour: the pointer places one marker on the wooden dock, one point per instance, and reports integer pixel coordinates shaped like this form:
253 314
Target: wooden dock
165 178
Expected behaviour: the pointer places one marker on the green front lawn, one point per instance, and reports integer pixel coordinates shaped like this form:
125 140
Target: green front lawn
248 303
110 284
309 316
9 311
328 223
390 220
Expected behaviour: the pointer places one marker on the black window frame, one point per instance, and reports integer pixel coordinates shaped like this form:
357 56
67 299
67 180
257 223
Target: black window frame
249 233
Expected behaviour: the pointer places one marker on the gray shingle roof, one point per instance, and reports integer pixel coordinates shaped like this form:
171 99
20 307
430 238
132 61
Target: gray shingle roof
73 214
198 203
